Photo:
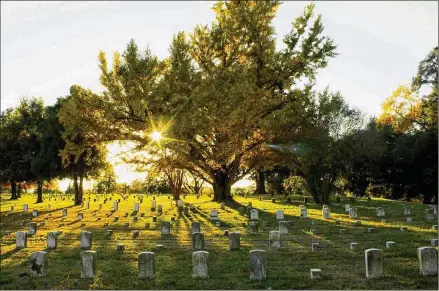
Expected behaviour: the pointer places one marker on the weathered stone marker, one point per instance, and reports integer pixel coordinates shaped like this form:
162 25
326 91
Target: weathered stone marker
120 247
254 214
34 213
390 244
115 206
257 264
64 212
223 205
32 228
38 264
234 241
353 245
315 247
159 209
52 240
303 211
380 212
195 227
25 208
166 228
283 227
280 215
316 273
213 214
147 265
347 207
199 264
427 257
21 239
407 210
342 231
353 212
434 242
429 213
326 213
88 264
374 263
136 206
80 216
198 241
86 240
274 240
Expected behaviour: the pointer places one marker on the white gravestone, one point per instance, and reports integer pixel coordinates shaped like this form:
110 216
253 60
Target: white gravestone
374 263
88 264
427 257
38 264
147 265
280 215
257 264
199 264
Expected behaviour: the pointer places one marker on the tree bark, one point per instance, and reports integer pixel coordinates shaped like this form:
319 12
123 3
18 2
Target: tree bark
78 198
14 190
81 187
39 191
19 190
260 182
222 187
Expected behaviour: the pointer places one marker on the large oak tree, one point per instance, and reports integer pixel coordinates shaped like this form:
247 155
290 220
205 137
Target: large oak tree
224 93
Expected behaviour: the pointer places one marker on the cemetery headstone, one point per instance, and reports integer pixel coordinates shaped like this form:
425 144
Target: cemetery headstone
88 264
198 241
374 263
32 228
380 212
353 213
390 244
234 241
21 239
213 214
275 240
427 257
147 265
38 264
316 273
86 240
257 264
283 227
166 228
52 240
195 227
199 264
280 215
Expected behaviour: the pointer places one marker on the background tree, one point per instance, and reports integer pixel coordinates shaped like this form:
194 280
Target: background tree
82 157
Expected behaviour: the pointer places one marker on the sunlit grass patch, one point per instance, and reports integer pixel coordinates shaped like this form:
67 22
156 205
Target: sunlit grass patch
287 268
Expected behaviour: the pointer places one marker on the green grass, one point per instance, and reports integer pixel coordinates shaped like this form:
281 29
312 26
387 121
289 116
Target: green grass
287 268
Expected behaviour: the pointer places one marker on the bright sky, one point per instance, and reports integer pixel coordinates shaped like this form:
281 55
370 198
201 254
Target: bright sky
48 46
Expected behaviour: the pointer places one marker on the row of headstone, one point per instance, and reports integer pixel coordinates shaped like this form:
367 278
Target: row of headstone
427 257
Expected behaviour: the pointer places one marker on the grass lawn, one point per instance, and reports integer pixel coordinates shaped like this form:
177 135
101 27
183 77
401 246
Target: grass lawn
286 268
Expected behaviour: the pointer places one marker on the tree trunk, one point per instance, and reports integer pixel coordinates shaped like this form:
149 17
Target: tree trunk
81 187
78 197
19 190
222 187
260 182
39 191
13 190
